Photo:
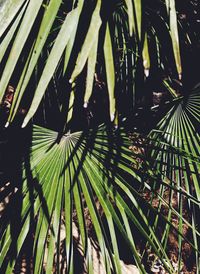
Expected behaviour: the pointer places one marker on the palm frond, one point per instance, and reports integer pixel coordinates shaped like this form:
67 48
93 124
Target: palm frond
67 60
176 157
58 178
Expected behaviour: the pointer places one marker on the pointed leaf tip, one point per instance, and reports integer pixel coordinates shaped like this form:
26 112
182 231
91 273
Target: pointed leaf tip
24 123
85 105
112 117
146 72
7 124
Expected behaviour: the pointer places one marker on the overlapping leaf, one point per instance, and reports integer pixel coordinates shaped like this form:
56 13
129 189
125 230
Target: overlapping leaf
121 51
176 145
59 178
67 177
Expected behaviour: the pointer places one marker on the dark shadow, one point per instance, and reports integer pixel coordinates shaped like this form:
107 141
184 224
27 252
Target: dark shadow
16 169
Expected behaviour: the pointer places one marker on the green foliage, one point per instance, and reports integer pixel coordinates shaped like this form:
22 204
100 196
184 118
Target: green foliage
60 56
38 30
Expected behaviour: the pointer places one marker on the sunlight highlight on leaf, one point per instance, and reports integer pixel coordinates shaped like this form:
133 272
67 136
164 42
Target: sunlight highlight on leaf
91 71
52 62
20 40
110 72
171 9
146 58
90 39
45 27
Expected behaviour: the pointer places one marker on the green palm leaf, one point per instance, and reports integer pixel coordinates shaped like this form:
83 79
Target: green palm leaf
22 35
171 9
8 10
176 143
111 35
60 177
94 172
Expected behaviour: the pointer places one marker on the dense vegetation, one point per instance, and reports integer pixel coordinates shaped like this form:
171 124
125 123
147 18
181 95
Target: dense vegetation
99 135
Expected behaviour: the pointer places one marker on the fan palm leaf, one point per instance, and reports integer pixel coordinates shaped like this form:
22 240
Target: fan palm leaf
176 156
65 175
58 178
